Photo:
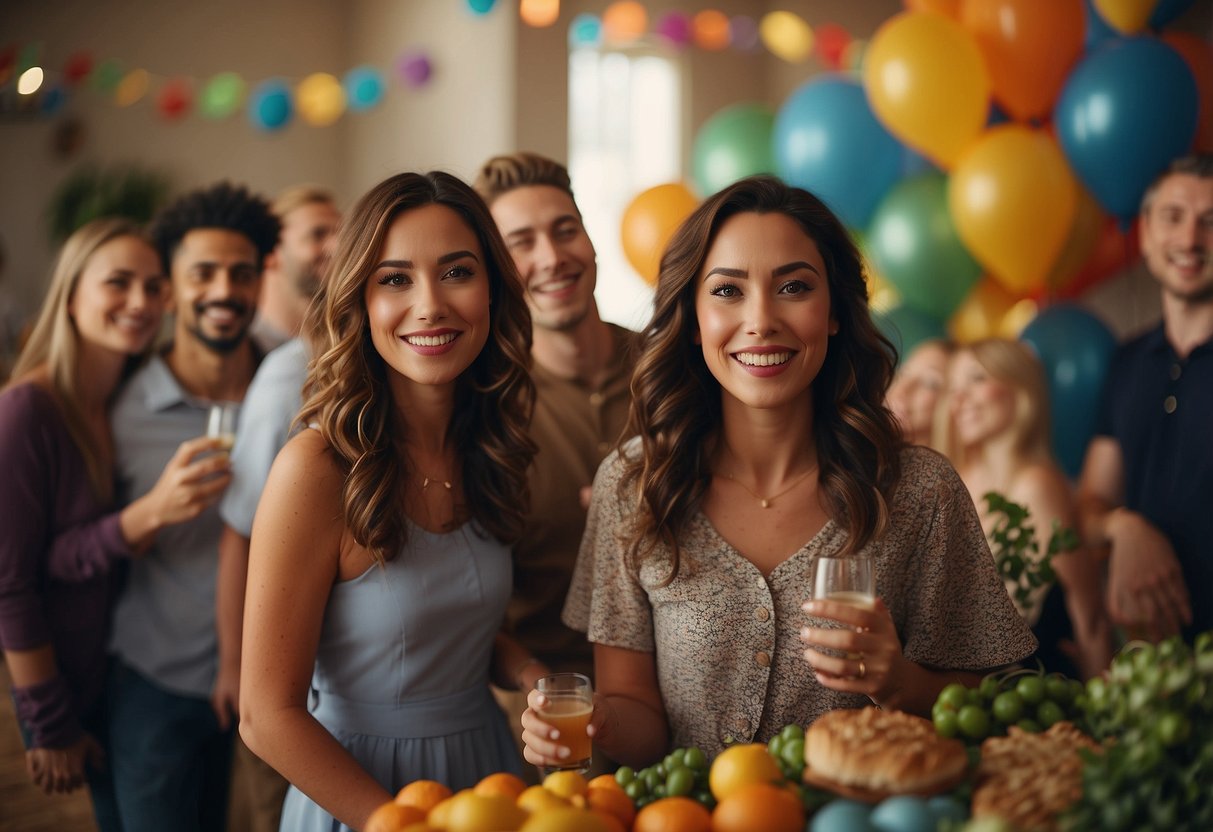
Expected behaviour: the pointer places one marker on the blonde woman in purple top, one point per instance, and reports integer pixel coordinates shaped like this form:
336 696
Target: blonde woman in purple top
60 532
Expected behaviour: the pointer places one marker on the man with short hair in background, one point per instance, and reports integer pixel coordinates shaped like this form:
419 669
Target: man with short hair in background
309 220
1147 481
582 371
170 738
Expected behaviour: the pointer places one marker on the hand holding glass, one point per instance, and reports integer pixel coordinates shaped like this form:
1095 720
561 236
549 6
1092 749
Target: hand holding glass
570 704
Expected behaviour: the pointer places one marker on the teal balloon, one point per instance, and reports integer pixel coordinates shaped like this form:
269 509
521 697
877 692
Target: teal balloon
585 30
481 6
222 95
1075 348
906 327
363 88
733 144
914 244
270 106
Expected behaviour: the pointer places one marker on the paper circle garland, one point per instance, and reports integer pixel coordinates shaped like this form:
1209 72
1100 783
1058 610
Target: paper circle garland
270 106
222 95
363 88
320 99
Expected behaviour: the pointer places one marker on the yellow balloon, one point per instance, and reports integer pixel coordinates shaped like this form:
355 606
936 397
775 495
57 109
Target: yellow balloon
882 296
1125 16
927 83
1012 197
650 221
1081 240
320 99
786 35
990 311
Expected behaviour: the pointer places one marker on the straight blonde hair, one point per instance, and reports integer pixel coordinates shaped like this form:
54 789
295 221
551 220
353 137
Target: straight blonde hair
54 342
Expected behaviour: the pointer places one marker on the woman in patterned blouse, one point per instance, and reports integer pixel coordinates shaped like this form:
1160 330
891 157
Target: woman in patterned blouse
762 443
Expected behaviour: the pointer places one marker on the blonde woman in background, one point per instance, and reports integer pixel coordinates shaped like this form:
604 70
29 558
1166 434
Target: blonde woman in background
919 382
994 425
61 533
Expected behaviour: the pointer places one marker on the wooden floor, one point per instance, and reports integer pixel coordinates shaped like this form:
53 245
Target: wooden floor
23 807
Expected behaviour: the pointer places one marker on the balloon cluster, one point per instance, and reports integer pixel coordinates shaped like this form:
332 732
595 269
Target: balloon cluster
991 156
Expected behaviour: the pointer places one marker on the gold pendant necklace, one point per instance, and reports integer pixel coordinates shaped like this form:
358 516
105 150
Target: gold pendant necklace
765 502
425 481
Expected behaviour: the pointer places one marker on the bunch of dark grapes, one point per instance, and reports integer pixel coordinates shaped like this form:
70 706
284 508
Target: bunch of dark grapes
1030 700
683 773
1155 712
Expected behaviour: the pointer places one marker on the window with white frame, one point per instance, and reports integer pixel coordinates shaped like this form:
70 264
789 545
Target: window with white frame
625 135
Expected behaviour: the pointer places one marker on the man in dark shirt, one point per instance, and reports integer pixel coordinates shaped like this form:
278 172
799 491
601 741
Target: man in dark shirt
1147 481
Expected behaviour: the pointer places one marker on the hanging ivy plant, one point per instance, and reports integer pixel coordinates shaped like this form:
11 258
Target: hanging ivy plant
91 192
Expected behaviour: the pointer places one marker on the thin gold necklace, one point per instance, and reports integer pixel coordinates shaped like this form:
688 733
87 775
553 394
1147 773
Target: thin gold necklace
425 481
765 502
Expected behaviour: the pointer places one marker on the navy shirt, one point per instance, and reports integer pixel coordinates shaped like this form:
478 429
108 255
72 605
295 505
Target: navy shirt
1159 409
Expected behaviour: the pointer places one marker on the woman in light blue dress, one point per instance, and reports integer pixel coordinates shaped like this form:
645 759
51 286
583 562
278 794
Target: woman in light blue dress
380 565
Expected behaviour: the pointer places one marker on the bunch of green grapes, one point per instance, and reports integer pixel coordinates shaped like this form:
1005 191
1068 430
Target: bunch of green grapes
787 747
1030 700
683 773
1156 708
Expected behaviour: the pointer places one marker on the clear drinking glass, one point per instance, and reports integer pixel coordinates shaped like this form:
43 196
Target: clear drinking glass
845 581
221 423
570 703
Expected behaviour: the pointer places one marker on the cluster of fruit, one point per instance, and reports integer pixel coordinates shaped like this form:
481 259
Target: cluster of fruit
1029 699
683 773
787 747
1156 702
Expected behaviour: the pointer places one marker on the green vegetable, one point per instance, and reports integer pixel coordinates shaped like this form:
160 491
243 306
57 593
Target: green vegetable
1016 551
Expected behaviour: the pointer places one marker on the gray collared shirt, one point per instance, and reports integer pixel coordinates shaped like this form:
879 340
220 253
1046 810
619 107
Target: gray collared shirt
164 622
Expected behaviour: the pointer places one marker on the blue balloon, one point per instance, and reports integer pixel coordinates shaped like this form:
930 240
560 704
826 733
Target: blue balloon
1166 11
1126 111
906 327
1098 29
585 30
363 88
1075 348
827 141
269 106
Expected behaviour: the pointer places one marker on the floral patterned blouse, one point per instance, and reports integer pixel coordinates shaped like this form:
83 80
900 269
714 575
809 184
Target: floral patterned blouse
729 660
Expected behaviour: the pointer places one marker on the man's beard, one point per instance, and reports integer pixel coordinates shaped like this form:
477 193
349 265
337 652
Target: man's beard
225 344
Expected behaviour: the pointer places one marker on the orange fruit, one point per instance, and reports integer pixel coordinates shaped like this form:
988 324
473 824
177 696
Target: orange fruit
566 820
510 785
424 794
612 802
471 812
673 814
612 823
605 781
438 815
759 806
565 783
538 799
741 765
392 817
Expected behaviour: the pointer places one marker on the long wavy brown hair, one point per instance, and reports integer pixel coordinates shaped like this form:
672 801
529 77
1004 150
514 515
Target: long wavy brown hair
347 395
676 401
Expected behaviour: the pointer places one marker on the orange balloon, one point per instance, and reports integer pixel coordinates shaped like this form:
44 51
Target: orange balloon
1199 56
949 7
1085 232
710 30
1012 198
650 221
990 311
624 21
1029 46
927 83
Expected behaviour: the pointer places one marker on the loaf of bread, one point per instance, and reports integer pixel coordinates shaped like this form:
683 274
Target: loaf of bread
881 753
1028 779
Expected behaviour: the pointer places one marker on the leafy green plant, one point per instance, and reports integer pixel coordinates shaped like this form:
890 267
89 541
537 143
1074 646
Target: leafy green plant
1017 552
91 192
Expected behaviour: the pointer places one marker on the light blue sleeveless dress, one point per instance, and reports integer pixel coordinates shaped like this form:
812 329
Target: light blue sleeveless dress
402 668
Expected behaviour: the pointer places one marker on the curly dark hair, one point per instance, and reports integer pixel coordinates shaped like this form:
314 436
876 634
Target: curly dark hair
347 394
676 401
223 205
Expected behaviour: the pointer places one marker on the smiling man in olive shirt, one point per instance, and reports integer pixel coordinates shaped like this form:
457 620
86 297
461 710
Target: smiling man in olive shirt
582 369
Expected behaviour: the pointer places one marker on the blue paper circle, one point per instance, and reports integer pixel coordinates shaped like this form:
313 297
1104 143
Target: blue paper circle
363 88
270 105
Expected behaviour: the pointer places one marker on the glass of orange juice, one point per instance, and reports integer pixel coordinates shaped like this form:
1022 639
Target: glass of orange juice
570 703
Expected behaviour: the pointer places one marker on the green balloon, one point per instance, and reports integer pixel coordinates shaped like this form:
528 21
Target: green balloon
731 145
222 95
914 244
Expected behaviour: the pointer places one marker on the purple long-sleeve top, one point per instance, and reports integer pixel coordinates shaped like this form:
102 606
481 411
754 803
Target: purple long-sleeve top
58 542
